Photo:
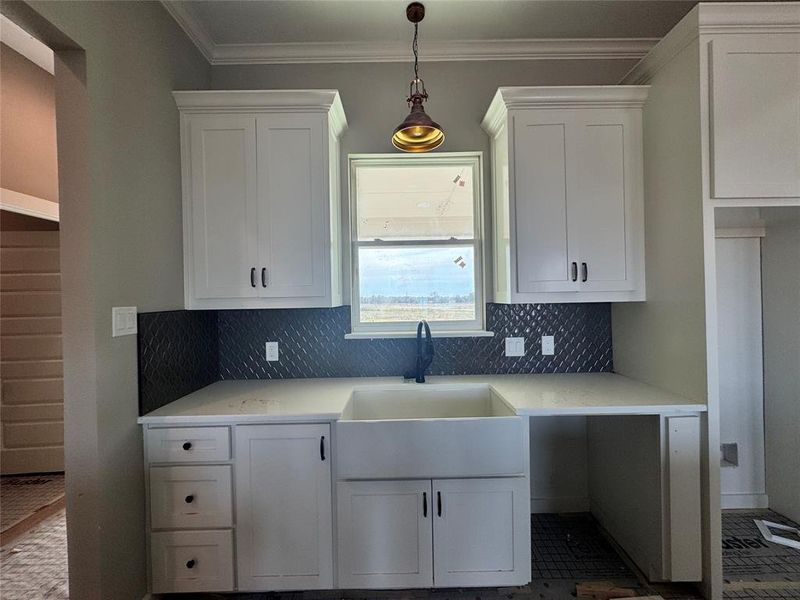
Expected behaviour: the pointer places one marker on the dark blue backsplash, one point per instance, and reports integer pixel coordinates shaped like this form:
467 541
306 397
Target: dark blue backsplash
311 344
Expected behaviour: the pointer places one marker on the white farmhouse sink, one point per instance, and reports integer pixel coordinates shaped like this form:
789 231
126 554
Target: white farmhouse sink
429 430
425 401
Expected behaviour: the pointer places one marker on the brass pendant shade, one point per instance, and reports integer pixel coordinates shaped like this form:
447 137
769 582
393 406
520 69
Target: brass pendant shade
418 132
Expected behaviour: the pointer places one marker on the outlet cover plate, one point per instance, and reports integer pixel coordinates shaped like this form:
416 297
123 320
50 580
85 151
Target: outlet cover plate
272 351
548 345
515 346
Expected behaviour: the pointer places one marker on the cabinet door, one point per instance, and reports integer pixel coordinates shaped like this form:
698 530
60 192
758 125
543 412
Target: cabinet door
385 534
755 115
540 209
293 205
223 198
481 532
283 507
605 173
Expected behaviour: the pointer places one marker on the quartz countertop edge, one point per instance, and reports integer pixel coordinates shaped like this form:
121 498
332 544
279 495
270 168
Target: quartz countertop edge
324 399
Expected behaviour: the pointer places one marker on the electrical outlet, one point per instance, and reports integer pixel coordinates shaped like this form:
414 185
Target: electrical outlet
272 351
515 346
123 321
548 345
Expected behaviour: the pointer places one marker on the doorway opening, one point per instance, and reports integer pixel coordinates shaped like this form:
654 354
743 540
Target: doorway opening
758 295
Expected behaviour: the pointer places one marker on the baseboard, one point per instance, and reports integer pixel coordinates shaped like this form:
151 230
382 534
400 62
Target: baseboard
739 501
563 504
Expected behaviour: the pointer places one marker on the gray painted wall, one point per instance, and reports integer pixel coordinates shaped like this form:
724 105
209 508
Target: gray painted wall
121 245
374 96
780 253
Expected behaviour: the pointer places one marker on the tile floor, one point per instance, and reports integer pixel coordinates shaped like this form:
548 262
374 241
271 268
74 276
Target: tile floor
570 549
22 495
34 567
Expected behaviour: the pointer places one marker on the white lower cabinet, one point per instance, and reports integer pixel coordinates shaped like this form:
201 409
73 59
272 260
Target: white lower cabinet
441 533
190 497
192 561
481 532
283 507
385 534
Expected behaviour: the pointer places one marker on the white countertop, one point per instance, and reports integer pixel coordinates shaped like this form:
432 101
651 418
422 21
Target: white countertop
308 400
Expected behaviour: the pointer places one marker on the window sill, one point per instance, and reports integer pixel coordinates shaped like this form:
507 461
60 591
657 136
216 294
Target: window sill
376 335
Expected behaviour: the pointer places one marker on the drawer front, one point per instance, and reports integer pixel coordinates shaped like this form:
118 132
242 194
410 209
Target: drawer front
192 561
190 497
188 444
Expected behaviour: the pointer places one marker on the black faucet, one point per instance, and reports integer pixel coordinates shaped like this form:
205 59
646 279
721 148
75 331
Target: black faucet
424 354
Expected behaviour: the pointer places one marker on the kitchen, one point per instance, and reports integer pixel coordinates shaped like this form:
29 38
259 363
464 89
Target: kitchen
585 224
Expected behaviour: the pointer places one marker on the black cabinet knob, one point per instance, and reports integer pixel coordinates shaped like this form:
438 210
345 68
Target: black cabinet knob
187 445
190 564
189 499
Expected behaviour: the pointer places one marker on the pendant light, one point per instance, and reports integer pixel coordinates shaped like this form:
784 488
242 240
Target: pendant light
418 132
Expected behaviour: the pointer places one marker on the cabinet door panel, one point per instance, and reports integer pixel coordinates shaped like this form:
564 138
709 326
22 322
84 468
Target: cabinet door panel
482 536
600 210
223 205
755 112
385 534
540 202
283 508
292 205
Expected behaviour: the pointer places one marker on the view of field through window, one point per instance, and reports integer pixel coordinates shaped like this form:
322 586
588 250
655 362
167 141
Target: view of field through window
416 249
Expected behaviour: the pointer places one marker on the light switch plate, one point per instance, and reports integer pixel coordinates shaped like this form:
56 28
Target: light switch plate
123 321
548 345
272 351
515 346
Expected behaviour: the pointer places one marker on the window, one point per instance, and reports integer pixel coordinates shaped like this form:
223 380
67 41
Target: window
416 250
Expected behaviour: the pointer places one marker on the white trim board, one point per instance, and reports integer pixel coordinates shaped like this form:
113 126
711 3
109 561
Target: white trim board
28 205
381 51
19 40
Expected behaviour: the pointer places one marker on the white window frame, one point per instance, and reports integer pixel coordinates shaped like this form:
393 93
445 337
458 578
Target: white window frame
473 328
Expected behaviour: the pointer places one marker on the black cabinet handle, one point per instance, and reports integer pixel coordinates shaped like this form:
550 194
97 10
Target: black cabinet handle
574 271
253 276
263 277
425 504
322 448
585 271
189 499
439 503
187 446
190 564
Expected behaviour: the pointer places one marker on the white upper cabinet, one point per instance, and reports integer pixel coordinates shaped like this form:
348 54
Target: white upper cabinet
755 116
568 205
261 198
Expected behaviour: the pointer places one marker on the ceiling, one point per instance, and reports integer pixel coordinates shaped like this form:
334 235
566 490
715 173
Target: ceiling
235 31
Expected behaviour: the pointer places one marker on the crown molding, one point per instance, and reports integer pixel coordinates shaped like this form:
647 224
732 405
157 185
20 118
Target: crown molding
216 101
192 27
380 51
574 96
433 51
716 19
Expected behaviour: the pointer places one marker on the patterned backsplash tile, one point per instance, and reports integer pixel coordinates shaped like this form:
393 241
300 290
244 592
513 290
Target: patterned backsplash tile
184 350
178 354
312 344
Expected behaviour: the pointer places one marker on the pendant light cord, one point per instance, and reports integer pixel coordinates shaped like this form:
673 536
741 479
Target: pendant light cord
415 48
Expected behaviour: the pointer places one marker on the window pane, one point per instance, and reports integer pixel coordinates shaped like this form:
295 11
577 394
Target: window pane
409 284
415 202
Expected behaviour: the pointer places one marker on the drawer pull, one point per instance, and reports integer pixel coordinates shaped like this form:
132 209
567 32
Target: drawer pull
585 269
190 564
439 503
424 505
189 499
322 448
187 446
